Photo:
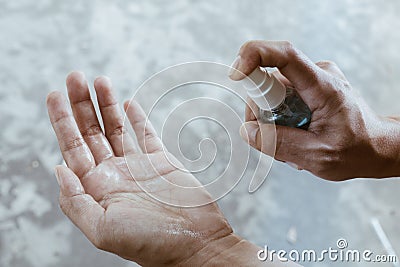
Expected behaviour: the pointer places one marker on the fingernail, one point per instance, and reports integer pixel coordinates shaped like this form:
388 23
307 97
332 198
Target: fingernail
248 131
234 72
57 176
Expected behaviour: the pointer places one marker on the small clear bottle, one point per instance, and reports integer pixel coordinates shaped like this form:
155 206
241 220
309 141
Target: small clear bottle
277 103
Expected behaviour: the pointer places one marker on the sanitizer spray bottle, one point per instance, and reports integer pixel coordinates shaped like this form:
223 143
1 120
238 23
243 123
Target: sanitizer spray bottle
277 103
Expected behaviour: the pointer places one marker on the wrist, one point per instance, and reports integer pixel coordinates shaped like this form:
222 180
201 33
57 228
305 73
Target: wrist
231 250
387 147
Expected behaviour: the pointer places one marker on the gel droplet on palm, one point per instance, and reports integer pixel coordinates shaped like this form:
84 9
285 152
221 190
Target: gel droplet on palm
277 103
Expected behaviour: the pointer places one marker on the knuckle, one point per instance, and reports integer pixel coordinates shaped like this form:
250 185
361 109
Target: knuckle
92 130
250 46
335 97
117 131
326 64
149 135
334 93
262 46
75 142
288 46
290 50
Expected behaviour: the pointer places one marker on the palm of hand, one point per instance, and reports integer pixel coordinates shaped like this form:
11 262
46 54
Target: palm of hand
142 224
102 196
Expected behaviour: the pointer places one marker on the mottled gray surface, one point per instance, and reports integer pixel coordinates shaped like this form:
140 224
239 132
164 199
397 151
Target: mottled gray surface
41 41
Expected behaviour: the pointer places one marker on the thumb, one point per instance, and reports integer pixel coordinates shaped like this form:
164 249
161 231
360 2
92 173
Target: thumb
79 207
281 142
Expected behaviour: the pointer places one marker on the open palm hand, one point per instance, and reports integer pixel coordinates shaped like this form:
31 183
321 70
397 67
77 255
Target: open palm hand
102 187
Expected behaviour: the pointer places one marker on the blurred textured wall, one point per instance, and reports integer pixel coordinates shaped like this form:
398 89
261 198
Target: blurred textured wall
41 41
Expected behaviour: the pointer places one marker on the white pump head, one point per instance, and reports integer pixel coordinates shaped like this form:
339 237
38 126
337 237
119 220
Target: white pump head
265 89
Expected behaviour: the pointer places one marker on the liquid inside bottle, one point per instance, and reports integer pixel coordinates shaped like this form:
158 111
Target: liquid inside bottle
292 112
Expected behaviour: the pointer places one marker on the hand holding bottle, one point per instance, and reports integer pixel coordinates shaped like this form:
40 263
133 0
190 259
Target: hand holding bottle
345 138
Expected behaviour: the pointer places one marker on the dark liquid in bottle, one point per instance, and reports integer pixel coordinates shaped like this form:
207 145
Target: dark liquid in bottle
293 112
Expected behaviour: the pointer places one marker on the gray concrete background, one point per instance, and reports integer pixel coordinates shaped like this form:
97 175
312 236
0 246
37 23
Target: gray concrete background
41 41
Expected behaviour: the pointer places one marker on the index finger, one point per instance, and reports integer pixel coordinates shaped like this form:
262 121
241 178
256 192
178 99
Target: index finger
291 62
73 147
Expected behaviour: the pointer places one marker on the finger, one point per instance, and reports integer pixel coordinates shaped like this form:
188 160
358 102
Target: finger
147 137
74 149
281 142
79 207
282 78
113 119
86 118
331 68
292 63
252 110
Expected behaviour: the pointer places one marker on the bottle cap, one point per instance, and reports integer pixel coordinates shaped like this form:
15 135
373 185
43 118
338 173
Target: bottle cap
265 89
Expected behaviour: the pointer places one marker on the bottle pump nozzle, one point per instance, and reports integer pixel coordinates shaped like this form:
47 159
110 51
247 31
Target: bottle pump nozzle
265 89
